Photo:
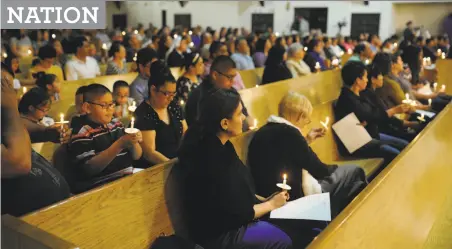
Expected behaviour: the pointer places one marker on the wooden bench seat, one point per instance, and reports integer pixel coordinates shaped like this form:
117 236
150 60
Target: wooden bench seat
252 78
408 205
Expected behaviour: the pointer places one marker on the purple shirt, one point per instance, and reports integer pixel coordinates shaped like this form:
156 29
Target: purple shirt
259 59
318 59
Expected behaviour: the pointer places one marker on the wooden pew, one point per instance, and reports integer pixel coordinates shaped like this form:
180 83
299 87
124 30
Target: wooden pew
252 78
131 67
17 234
445 74
408 205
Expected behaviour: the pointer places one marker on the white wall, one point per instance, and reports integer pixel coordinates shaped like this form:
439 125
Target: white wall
238 13
430 15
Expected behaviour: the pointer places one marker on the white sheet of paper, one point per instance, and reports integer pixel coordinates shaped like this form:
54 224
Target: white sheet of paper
311 207
351 133
426 113
425 89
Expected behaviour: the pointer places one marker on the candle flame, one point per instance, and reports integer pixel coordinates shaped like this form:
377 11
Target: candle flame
407 96
62 117
285 177
24 89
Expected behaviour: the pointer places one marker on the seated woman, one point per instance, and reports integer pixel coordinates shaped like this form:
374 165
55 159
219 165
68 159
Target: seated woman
12 62
275 66
47 56
385 117
280 148
354 76
216 49
263 45
176 57
295 61
50 84
159 118
194 68
212 174
33 108
314 60
117 62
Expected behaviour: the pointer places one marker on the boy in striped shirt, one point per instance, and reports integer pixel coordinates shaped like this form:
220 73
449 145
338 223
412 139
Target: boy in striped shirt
100 150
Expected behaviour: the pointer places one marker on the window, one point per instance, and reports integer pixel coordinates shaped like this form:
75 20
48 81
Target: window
317 17
183 20
261 22
365 23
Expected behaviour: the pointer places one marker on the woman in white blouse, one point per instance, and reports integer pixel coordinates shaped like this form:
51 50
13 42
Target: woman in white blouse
295 61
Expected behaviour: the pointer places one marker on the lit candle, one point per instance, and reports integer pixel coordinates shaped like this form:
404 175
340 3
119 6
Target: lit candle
424 61
29 52
192 44
175 36
325 124
407 99
53 36
435 86
421 118
135 57
317 65
277 34
182 102
24 89
284 179
104 46
133 107
341 53
335 62
257 86
395 44
255 123
367 61
123 33
305 49
62 120
443 88
190 32
136 32
443 55
5 55
349 51
429 102
439 51
132 122
429 61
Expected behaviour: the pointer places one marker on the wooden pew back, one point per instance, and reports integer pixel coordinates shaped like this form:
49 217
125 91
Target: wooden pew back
444 74
252 77
408 204
128 213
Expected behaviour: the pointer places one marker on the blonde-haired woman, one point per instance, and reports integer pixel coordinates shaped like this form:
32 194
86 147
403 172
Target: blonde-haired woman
279 147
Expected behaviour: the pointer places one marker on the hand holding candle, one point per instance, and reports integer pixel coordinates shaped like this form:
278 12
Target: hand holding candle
62 121
284 185
317 66
421 118
407 99
132 129
429 102
443 88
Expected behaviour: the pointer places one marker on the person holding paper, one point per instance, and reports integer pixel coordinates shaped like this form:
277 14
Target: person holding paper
219 197
280 148
354 76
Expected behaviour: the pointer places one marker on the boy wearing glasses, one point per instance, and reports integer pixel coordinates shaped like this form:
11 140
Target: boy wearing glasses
100 150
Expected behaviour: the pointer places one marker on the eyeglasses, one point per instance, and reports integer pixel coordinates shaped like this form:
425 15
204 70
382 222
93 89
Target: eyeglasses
43 110
167 94
230 77
104 106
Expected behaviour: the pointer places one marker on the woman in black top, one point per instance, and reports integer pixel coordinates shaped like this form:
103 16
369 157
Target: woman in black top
194 67
280 148
219 196
159 118
176 57
275 66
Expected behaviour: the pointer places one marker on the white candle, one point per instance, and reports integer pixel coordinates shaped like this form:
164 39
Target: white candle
182 102
435 86
443 88
424 61
439 51
5 55
429 102
395 44
335 62
350 51
104 46
255 123
367 61
132 122
123 33
325 124
136 32
284 179
443 55
257 86
24 89
407 99
305 49
62 120
317 65
53 36
29 52
341 53
190 32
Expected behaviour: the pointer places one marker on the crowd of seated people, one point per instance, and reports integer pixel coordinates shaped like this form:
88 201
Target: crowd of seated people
193 117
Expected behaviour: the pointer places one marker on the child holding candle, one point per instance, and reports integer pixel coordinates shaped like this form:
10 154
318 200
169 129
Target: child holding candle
33 107
100 147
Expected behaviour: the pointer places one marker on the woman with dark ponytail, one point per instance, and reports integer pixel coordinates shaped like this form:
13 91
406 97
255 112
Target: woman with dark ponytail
160 118
221 204
50 84
194 67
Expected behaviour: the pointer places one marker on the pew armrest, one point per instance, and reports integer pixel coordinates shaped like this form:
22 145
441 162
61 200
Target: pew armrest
370 165
17 234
